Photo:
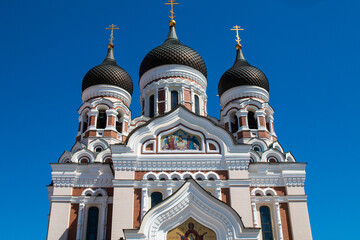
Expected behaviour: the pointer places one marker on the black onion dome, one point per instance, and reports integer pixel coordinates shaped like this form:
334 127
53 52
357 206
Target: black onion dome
242 74
172 51
108 72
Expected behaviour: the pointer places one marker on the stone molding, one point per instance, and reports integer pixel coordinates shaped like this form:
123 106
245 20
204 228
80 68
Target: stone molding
172 70
104 90
243 91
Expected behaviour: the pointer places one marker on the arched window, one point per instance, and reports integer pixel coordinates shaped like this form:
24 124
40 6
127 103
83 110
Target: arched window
85 122
174 99
101 119
266 228
119 123
152 106
197 105
252 120
234 122
156 197
92 223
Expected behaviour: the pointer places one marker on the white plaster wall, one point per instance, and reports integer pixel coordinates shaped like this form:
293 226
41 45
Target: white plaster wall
123 211
238 174
300 222
124 175
295 191
62 191
59 220
241 203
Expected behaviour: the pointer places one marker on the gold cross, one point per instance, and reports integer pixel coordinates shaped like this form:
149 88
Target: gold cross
172 3
237 29
112 27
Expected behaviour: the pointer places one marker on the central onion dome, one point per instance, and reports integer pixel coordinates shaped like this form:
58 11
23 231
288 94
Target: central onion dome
242 74
108 72
172 51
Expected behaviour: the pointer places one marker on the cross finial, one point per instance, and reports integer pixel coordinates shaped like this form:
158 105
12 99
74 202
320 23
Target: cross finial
112 27
237 29
172 3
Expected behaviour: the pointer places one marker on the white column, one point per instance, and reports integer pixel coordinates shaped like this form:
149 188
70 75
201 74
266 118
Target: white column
156 101
181 96
271 122
93 112
192 95
111 113
144 201
80 225
168 191
218 193
258 114
227 120
278 220
243 113
167 102
103 220
203 104
255 215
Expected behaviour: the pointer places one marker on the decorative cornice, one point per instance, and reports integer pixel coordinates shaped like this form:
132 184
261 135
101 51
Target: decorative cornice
243 91
172 70
103 90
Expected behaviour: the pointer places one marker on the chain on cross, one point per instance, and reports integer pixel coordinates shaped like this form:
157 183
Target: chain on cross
237 29
112 27
172 3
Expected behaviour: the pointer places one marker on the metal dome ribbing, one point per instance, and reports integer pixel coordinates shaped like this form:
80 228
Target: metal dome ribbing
108 72
242 74
172 51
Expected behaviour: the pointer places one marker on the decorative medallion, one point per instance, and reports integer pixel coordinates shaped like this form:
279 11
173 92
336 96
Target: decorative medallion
191 230
180 140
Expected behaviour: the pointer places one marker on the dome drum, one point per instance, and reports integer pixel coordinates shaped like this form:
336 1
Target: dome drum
172 71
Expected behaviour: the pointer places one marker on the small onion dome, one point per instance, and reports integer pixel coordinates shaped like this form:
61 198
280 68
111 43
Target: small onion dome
242 74
172 51
108 72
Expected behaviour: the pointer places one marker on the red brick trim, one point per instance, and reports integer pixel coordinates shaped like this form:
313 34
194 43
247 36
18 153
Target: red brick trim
137 207
285 221
74 212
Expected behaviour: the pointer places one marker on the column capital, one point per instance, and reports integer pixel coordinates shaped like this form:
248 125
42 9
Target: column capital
111 112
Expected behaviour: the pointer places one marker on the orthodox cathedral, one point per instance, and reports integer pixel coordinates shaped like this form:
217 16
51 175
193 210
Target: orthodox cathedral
176 173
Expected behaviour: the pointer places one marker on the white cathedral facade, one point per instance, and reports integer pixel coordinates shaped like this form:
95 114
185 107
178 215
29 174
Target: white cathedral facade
175 172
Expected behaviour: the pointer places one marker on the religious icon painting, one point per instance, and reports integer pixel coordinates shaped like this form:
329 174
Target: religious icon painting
191 230
180 140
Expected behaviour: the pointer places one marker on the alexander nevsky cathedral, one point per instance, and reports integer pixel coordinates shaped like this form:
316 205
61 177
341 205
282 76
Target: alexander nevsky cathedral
176 173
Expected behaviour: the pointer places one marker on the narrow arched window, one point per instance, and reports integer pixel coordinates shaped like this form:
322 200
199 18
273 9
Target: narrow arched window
252 120
266 227
92 223
85 122
119 123
234 123
156 198
197 105
174 99
101 119
151 106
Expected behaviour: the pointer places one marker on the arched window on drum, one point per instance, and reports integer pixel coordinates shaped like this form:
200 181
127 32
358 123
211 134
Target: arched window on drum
156 198
174 99
197 104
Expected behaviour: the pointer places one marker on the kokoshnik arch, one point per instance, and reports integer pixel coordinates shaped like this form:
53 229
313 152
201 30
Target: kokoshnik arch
175 172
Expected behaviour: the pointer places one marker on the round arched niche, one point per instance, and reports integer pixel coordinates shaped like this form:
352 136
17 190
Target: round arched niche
191 229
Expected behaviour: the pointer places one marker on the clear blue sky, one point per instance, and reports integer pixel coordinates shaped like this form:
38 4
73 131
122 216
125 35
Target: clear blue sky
309 50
